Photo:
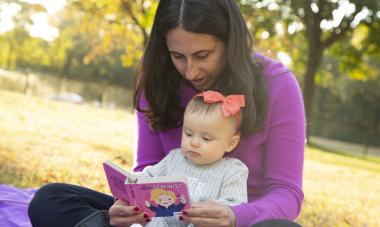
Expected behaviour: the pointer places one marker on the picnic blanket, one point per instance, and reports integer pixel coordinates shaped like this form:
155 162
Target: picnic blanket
14 206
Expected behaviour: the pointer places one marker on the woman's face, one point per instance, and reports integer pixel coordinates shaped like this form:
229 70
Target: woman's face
199 58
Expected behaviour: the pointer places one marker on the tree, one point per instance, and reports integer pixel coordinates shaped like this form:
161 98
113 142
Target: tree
115 25
348 86
318 23
21 21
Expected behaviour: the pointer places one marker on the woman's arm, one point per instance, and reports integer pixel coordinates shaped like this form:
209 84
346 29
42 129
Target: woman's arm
149 149
284 155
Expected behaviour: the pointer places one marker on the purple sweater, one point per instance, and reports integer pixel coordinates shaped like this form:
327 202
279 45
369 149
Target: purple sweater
274 155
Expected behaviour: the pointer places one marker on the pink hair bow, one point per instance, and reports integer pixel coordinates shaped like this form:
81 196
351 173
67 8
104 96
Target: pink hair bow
231 104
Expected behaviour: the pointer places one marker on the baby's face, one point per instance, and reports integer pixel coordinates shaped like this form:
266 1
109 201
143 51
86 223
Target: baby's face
206 137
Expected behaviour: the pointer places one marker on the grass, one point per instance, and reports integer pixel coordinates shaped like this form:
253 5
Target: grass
340 190
44 141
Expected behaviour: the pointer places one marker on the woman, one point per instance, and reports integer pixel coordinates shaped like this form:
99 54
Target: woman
197 45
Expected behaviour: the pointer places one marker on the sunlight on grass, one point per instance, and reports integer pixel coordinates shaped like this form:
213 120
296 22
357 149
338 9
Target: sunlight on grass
340 191
44 141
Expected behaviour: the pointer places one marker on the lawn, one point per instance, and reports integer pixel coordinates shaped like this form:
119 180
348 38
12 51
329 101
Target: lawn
44 141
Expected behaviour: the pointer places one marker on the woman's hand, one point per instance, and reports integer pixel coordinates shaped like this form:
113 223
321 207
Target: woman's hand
210 213
122 214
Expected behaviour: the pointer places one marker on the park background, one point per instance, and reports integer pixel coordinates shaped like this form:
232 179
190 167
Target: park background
67 77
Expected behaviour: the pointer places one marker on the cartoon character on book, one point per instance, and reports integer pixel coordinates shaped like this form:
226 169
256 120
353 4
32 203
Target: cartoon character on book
210 130
166 202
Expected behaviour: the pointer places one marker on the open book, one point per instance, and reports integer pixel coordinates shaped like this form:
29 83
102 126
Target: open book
158 196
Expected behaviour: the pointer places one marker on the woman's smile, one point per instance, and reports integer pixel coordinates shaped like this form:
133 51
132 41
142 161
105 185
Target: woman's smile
198 82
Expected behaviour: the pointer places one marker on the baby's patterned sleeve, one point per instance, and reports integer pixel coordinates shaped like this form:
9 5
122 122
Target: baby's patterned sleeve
234 185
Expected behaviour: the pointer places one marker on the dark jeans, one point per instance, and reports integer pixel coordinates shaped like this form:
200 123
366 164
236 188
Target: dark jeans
276 223
64 205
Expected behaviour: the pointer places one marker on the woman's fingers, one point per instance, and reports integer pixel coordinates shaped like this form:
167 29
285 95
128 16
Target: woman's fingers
129 220
208 209
202 221
122 209
121 214
209 213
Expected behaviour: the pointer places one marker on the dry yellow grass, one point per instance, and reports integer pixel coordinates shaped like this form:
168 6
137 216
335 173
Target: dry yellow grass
340 190
43 141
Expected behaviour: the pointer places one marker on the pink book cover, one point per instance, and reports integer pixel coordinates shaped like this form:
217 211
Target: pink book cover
117 178
159 197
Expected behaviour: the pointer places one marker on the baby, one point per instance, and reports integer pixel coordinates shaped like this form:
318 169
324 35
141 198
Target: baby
210 129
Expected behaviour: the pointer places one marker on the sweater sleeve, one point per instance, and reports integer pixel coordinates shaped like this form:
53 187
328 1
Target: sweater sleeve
149 148
282 194
234 186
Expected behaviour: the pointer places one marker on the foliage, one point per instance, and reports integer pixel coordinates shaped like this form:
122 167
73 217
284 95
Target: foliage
348 97
99 41
318 23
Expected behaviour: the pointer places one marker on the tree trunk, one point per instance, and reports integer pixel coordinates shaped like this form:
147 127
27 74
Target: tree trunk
313 60
10 53
67 65
314 57
372 131
104 93
28 85
65 70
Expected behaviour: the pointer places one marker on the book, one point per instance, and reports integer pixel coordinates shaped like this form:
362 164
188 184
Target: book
158 196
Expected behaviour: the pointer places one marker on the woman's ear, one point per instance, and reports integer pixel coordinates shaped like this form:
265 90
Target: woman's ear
234 140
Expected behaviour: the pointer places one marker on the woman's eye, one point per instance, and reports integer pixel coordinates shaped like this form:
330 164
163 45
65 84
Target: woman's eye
202 56
177 56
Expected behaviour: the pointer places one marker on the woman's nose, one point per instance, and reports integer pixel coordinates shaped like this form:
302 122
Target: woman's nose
192 71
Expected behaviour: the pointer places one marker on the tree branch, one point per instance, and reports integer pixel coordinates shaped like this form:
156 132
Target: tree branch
128 8
334 35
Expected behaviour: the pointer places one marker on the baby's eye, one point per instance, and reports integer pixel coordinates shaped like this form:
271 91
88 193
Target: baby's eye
206 139
188 134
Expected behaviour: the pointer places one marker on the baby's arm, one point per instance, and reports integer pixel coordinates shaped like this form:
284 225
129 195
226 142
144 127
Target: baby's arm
234 185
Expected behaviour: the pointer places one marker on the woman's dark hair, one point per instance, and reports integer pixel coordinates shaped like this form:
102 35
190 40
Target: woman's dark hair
159 81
